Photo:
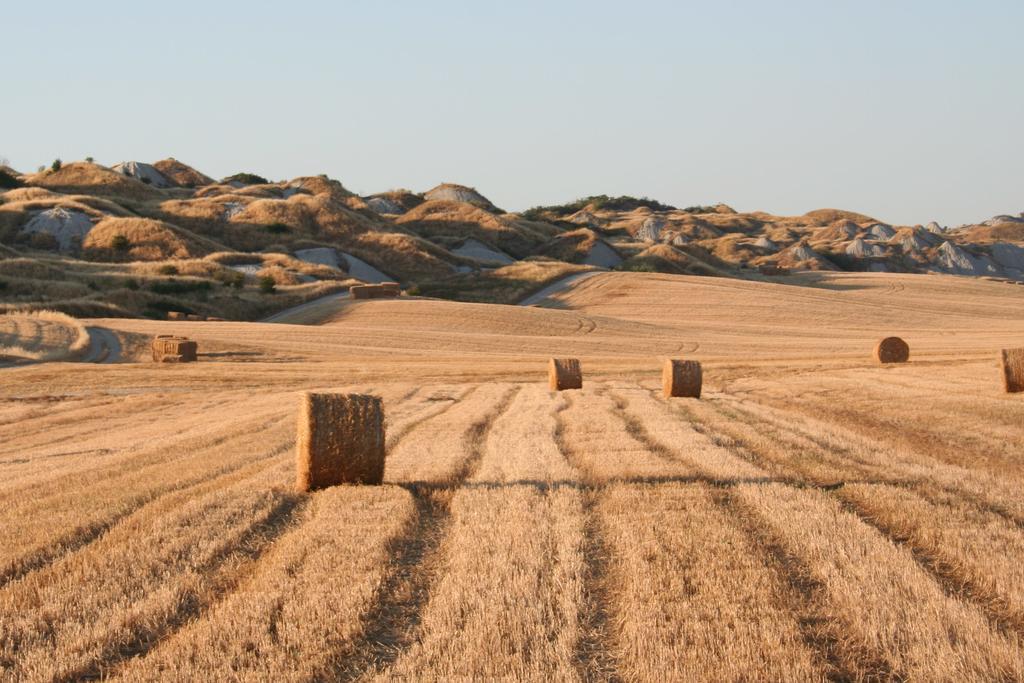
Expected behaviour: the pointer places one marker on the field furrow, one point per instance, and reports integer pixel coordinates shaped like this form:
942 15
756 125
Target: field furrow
42 529
435 451
883 606
521 446
508 595
447 449
654 423
693 595
147 576
973 550
302 612
595 441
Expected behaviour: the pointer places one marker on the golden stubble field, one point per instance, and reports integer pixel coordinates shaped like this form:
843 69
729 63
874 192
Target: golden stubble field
814 516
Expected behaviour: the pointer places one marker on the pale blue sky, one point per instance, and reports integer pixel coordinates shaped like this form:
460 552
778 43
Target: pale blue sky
909 111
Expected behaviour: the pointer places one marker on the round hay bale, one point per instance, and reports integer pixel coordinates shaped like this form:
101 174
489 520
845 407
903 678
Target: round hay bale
565 373
681 378
1012 362
340 440
892 350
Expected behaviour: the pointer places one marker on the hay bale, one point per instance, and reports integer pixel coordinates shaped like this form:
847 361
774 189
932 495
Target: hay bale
565 373
176 315
361 291
340 440
682 378
1012 361
390 289
172 349
892 350
772 270
194 317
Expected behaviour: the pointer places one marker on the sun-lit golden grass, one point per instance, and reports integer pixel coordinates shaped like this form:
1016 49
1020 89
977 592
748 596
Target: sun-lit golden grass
300 611
459 219
506 285
181 173
148 240
888 611
85 178
510 587
695 596
814 516
973 546
42 335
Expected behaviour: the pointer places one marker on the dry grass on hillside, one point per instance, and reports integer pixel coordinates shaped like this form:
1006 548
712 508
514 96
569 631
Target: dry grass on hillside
42 336
458 219
86 178
814 516
148 240
506 285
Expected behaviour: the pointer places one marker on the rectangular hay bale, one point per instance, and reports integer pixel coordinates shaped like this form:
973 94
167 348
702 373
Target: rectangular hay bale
340 440
389 289
565 373
1012 362
170 349
681 378
363 292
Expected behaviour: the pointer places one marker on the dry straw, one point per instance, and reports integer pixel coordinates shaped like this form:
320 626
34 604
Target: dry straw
340 440
892 350
565 373
170 349
390 288
681 378
1013 370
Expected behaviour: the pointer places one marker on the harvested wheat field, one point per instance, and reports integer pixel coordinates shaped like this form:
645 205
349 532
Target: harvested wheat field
815 515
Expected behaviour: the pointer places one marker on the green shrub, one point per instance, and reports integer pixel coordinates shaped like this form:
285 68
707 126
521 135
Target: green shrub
89 159
55 166
246 178
277 228
120 244
639 267
43 241
131 283
179 286
168 269
3 285
599 201
8 181
267 285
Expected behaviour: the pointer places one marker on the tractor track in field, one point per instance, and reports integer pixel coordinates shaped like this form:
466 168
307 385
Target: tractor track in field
393 624
592 656
229 569
952 582
82 537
